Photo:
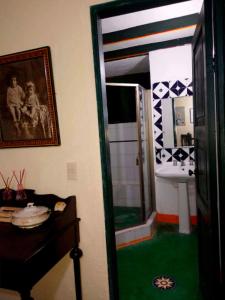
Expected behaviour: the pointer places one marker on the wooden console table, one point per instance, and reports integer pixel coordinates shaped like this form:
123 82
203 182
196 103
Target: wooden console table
26 255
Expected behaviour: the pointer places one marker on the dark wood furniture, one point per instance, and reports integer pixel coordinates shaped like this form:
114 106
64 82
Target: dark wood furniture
26 255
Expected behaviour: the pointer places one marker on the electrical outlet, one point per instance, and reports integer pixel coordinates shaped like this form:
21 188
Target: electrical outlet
71 171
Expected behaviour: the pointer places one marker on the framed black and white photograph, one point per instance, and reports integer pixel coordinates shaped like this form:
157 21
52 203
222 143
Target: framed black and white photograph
28 115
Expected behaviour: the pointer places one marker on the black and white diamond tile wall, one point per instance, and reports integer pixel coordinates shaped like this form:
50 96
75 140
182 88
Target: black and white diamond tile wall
167 155
170 154
157 119
172 89
161 90
158 107
177 88
159 140
164 90
180 153
180 88
192 153
158 155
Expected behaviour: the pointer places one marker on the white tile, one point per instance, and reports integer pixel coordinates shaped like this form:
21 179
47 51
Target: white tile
138 232
125 194
122 132
115 196
128 147
112 148
123 160
132 202
133 192
120 191
122 126
119 239
112 126
115 174
114 160
134 174
124 174
126 134
126 160
132 125
111 135
129 236
132 134
142 231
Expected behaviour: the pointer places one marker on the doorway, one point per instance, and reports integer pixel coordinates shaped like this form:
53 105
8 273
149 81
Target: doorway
98 12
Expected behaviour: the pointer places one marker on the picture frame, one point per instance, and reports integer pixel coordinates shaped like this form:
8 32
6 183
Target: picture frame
191 115
28 113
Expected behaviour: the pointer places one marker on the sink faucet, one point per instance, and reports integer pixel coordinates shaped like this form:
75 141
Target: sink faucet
182 162
191 162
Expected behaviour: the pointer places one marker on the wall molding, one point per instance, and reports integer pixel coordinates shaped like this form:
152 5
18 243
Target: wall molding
173 219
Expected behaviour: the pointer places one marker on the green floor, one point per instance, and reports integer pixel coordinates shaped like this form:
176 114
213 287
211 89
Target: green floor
126 216
168 253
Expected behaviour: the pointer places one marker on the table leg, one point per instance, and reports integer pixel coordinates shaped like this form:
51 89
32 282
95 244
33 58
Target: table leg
75 254
25 295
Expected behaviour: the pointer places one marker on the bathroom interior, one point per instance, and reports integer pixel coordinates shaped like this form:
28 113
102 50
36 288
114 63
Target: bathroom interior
150 133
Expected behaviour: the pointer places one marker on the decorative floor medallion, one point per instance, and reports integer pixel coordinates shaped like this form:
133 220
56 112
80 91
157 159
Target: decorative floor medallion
163 282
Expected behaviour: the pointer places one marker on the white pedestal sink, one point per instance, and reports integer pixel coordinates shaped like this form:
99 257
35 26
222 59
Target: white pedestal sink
180 175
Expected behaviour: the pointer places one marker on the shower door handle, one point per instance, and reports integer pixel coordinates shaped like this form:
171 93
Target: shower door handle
137 161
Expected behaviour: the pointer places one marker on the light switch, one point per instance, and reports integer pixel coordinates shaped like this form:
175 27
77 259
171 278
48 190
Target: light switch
71 171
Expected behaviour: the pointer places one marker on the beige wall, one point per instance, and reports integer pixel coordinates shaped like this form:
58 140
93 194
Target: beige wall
65 27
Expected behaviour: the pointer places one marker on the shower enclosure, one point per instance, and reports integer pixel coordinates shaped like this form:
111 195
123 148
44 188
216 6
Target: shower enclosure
128 137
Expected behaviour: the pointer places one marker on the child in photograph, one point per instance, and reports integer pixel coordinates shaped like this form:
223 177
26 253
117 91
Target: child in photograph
15 95
31 105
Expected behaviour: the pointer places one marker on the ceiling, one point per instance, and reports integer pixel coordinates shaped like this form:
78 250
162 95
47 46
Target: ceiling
128 38
131 65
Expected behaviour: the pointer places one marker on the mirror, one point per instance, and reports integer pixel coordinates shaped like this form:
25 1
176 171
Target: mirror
177 122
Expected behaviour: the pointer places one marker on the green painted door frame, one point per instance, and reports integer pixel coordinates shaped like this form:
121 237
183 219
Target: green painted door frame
98 12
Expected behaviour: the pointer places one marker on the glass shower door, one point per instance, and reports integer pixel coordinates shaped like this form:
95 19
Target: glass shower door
143 145
123 143
127 140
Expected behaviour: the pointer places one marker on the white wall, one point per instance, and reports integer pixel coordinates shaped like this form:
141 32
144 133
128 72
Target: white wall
65 27
171 63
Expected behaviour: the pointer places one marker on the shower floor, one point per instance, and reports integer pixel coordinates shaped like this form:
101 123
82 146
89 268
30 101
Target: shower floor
125 217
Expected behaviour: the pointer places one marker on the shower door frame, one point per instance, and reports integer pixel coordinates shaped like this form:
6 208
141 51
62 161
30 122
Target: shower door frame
149 158
140 154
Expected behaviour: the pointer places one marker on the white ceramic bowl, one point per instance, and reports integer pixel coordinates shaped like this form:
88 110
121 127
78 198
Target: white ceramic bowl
30 216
